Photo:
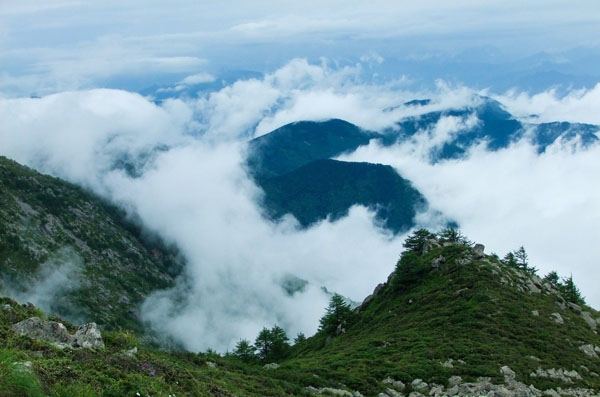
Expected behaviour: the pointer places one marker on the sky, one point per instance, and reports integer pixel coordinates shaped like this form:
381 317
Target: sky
83 84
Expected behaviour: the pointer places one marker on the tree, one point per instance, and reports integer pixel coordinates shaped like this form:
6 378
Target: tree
272 344
510 260
336 313
263 343
416 241
570 291
453 235
299 338
244 350
553 279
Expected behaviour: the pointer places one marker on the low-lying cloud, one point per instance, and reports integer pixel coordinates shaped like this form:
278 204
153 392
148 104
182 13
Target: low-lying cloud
196 193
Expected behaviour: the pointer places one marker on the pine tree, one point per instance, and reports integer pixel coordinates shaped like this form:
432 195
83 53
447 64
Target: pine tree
337 312
570 291
299 338
244 351
453 235
552 278
416 241
263 343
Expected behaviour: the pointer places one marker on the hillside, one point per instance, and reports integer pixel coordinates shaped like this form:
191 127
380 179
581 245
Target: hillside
78 256
329 188
450 321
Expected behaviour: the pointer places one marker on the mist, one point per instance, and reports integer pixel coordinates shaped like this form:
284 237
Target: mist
197 194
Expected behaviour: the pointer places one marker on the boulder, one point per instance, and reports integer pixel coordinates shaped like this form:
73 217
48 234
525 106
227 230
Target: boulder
44 330
535 313
437 262
395 383
509 374
478 250
418 384
557 318
587 317
88 336
589 350
271 366
574 307
210 364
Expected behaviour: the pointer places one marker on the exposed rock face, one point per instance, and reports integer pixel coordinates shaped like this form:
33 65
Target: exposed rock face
557 318
330 391
47 331
478 250
395 383
563 375
87 336
589 350
587 317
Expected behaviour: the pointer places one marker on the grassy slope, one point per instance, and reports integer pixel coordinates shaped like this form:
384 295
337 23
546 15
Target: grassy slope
460 312
43 219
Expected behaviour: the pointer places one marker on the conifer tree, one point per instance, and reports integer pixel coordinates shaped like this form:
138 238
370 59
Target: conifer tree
337 312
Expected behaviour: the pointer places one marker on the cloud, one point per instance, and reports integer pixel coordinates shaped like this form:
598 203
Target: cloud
197 194
578 106
546 202
49 287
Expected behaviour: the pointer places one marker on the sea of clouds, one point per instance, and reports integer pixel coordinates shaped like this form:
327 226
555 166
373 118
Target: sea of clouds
196 193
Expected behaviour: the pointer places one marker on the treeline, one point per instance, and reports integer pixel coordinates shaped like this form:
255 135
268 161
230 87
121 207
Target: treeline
409 268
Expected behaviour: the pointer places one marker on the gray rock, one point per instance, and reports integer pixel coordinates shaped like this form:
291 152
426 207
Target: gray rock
418 384
532 287
560 374
210 364
395 383
430 244
88 336
47 331
557 318
588 350
509 374
478 250
7 307
535 313
131 352
392 393
448 363
438 262
574 307
271 366
335 392
587 317
454 380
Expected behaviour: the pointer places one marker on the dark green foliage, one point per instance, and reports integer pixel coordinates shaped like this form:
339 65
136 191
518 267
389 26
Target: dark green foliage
338 312
329 188
272 344
552 278
46 222
410 269
453 235
299 338
570 291
416 241
245 351
297 144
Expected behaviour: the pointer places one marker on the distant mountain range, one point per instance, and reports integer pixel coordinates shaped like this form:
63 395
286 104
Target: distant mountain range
290 165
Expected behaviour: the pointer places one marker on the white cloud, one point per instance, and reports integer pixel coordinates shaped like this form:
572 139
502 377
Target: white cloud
197 194
580 106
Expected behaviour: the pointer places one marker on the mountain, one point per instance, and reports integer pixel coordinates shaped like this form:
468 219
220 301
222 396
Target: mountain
449 321
329 188
293 166
297 144
77 255
495 126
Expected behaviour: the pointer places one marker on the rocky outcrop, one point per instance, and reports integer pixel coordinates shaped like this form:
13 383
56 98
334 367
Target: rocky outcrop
87 336
560 374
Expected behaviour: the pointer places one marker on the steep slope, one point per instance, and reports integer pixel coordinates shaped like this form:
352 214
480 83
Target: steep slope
329 188
450 321
450 310
73 253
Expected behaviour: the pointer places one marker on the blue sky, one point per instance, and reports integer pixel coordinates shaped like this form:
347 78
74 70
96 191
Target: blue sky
50 46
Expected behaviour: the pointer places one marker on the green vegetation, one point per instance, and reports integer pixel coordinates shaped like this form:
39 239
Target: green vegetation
46 223
325 188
